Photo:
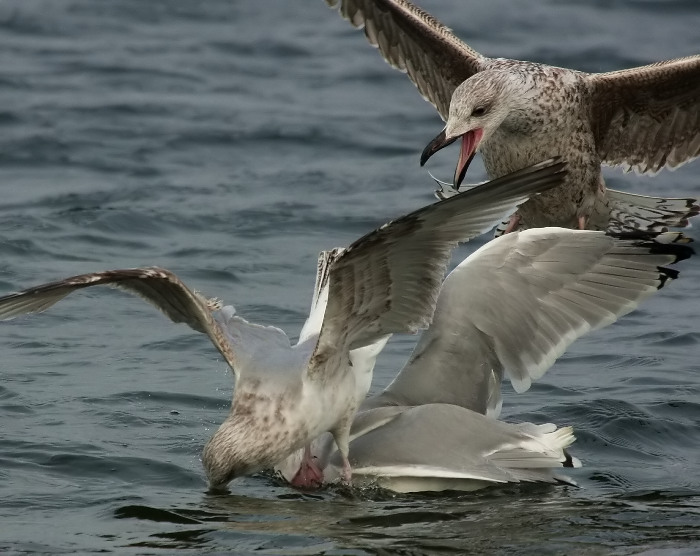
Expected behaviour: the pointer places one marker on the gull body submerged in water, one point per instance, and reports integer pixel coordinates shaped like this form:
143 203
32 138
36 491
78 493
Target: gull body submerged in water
517 113
287 395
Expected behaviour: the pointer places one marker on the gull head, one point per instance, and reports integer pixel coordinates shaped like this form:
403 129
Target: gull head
477 109
251 439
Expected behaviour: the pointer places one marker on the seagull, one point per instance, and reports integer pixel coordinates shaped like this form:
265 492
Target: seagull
509 309
287 395
517 112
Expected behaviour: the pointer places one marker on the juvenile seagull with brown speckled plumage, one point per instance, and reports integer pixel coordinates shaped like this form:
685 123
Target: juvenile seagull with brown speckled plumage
517 113
287 395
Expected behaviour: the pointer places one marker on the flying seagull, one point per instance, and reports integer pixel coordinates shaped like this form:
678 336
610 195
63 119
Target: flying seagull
516 113
287 395
511 308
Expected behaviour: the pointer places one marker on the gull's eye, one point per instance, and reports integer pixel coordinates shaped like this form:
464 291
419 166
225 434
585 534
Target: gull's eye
479 111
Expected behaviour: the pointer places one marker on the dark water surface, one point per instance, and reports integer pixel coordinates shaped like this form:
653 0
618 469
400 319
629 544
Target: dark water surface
230 141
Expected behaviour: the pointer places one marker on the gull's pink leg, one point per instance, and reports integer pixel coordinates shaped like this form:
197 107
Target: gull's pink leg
581 222
346 474
513 224
342 441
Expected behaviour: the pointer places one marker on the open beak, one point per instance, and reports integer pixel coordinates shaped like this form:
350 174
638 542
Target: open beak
470 141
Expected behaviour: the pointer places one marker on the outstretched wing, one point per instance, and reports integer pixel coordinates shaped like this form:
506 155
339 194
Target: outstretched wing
388 280
516 304
159 287
415 42
648 118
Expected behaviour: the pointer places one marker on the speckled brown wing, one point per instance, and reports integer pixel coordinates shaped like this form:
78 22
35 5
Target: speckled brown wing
648 118
159 287
388 281
414 42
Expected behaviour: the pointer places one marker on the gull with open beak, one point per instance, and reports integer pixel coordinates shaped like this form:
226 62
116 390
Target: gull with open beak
518 112
468 145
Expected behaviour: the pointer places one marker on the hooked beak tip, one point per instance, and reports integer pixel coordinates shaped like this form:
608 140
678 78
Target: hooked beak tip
434 146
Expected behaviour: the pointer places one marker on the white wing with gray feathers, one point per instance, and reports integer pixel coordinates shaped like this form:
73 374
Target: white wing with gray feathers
517 303
446 446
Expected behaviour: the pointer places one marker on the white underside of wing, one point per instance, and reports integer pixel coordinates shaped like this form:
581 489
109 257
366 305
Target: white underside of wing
551 287
319 300
363 360
516 304
262 350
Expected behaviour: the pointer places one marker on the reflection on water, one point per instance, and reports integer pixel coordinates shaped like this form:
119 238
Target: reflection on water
509 519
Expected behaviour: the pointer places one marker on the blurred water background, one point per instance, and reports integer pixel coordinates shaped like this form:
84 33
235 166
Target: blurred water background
230 141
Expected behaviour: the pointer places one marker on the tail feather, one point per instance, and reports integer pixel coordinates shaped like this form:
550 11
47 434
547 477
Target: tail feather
538 454
621 212
627 211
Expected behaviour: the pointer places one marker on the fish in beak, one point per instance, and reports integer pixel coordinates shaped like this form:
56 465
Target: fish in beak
469 144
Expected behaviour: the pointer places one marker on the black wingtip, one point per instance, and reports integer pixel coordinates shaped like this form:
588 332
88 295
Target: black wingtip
679 247
666 274
665 243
